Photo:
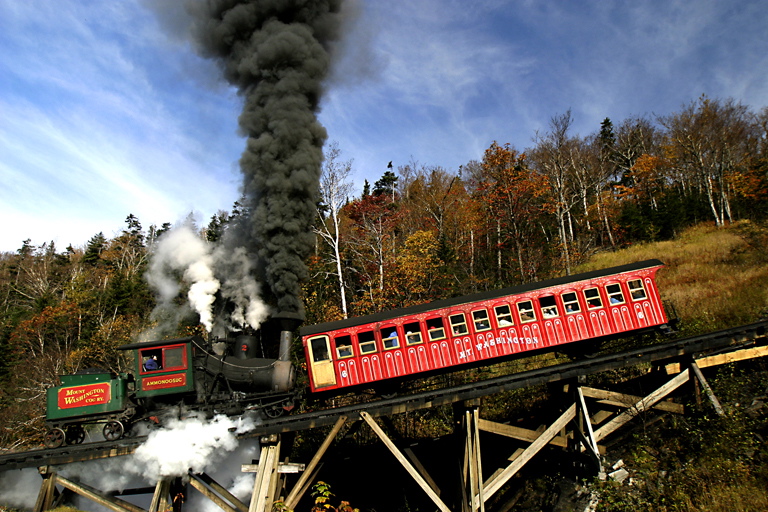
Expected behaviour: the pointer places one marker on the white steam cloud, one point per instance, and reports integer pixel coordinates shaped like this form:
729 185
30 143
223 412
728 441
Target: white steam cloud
181 257
182 254
193 443
241 289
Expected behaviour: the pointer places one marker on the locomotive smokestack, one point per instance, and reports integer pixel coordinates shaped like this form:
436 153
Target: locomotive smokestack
289 322
276 53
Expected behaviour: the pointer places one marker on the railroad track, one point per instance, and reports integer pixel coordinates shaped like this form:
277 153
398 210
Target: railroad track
728 339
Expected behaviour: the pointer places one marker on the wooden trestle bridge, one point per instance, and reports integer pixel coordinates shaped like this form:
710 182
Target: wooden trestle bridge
580 428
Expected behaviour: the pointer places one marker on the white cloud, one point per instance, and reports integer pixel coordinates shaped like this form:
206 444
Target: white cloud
106 111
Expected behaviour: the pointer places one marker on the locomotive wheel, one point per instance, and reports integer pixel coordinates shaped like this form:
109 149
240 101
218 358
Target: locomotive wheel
75 434
55 438
113 430
273 411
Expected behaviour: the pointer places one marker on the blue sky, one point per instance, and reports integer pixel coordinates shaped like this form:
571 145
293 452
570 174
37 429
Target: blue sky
106 109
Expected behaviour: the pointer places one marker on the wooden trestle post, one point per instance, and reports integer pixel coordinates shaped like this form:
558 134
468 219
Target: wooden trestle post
47 490
265 486
473 465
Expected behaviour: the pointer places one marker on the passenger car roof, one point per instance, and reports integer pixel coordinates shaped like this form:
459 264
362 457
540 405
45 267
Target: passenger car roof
475 297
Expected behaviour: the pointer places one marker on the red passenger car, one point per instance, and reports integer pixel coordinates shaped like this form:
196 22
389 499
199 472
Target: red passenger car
484 326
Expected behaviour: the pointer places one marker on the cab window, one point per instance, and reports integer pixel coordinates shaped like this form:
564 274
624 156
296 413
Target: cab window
525 309
344 347
570 303
458 324
173 357
636 289
389 337
615 296
151 359
481 320
503 315
412 333
163 358
367 342
435 329
548 306
592 296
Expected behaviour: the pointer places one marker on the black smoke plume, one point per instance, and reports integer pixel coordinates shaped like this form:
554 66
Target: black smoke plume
276 52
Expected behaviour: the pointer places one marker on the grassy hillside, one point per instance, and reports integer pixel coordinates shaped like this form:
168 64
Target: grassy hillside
715 277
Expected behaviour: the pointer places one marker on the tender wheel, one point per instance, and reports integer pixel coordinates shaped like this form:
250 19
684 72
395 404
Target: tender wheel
75 434
55 438
113 430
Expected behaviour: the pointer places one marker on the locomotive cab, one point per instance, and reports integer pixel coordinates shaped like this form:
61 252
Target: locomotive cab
163 367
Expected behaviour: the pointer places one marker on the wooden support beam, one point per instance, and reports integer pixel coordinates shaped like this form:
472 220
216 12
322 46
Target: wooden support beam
404 461
641 406
224 504
589 440
282 467
303 484
210 482
159 501
92 494
495 483
398 440
521 434
600 416
421 469
708 390
623 400
730 357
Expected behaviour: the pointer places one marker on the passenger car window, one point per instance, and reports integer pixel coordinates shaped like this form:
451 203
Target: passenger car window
636 289
548 306
503 315
592 295
614 294
412 333
481 321
389 337
344 347
367 342
458 324
525 309
571 302
435 329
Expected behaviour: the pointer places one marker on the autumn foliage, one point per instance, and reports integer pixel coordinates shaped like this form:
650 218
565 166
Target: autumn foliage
420 233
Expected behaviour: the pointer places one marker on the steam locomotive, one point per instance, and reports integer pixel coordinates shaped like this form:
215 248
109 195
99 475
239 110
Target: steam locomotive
218 376
227 376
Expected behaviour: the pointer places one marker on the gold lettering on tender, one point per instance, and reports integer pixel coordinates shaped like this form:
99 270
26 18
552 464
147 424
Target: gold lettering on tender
84 395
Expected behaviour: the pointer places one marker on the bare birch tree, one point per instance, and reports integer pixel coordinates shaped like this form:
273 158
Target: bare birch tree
335 188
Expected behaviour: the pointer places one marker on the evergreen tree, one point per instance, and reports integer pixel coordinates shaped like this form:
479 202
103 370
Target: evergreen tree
93 249
386 185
